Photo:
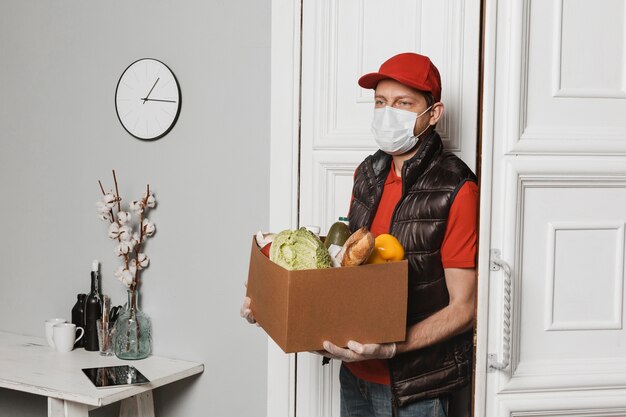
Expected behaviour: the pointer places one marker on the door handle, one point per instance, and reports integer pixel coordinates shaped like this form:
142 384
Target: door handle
495 264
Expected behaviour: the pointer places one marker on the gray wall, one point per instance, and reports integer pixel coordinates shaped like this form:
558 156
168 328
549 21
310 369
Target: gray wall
59 64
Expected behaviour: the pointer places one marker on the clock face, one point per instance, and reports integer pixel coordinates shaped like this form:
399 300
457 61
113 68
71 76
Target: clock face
147 99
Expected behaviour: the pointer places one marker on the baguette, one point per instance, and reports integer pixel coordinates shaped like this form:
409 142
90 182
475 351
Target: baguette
357 248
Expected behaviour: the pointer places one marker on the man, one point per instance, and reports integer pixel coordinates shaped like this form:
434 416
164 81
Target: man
427 198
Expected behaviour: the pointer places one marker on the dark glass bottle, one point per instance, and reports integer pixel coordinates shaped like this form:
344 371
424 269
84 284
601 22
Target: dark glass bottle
93 311
78 316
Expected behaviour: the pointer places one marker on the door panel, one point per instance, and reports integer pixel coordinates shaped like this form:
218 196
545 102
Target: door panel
568 284
572 73
554 149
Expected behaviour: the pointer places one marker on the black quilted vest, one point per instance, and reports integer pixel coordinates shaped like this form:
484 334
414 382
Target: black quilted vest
430 181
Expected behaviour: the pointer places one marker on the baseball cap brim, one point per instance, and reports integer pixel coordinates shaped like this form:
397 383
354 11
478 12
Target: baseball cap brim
372 79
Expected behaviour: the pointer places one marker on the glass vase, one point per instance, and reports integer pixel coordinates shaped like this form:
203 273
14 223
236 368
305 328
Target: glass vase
133 331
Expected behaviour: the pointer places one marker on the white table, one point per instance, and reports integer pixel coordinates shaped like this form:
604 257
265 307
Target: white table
28 364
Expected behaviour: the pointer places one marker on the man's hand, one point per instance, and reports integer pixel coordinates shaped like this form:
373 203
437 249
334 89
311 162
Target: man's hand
359 352
245 311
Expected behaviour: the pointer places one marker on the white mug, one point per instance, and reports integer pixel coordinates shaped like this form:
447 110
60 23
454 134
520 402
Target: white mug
64 336
49 324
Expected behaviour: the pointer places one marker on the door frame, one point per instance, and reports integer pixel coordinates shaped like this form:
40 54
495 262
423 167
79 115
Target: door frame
285 92
485 149
284 174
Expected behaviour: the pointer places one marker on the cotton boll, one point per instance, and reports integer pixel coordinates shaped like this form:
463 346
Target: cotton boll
125 233
127 281
124 248
114 231
104 212
141 262
136 207
123 217
148 227
127 277
151 201
110 199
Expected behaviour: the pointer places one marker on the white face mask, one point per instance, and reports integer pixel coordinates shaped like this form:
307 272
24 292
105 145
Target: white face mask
393 129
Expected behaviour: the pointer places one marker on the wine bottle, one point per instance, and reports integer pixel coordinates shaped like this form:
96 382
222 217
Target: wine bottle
93 310
78 316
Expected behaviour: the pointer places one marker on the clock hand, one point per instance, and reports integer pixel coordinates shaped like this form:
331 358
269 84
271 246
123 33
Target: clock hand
154 85
156 99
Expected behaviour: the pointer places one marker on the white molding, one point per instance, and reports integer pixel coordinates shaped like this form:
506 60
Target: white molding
523 40
327 186
469 27
590 93
520 175
452 67
316 385
284 154
557 44
326 168
523 139
615 322
565 404
587 412
568 375
558 90
589 169
511 78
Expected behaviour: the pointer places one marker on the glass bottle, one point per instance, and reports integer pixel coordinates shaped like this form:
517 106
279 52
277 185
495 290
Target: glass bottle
78 316
93 311
133 331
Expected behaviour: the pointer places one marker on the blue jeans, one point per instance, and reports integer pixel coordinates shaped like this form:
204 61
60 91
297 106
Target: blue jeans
360 398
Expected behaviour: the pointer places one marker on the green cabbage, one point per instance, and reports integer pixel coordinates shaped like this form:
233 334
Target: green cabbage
299 249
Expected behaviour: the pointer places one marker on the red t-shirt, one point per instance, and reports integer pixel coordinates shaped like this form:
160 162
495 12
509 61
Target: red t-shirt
458 249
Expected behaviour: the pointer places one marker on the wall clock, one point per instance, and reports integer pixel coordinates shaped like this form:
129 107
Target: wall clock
147 99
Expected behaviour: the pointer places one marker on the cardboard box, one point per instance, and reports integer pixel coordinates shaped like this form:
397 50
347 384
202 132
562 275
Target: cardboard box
301 309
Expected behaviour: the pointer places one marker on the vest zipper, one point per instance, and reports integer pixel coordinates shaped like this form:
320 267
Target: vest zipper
370 220
395 210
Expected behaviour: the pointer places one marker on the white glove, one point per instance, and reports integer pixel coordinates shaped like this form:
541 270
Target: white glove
359 352
245 311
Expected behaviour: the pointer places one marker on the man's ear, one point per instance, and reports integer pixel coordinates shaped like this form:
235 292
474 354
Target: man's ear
435 113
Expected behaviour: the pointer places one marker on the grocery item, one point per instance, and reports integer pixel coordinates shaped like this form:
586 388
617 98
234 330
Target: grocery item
262 239
266 249
357 248
386 249
299 249
337 234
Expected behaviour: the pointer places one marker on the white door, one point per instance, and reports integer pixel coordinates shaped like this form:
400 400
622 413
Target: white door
342 40
553 203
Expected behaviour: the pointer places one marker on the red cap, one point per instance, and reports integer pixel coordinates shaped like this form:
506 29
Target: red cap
410 69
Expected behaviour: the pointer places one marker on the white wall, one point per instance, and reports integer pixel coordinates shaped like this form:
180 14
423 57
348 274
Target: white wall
59 65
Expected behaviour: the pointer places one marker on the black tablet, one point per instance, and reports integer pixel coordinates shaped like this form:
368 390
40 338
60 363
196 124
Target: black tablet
115 376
